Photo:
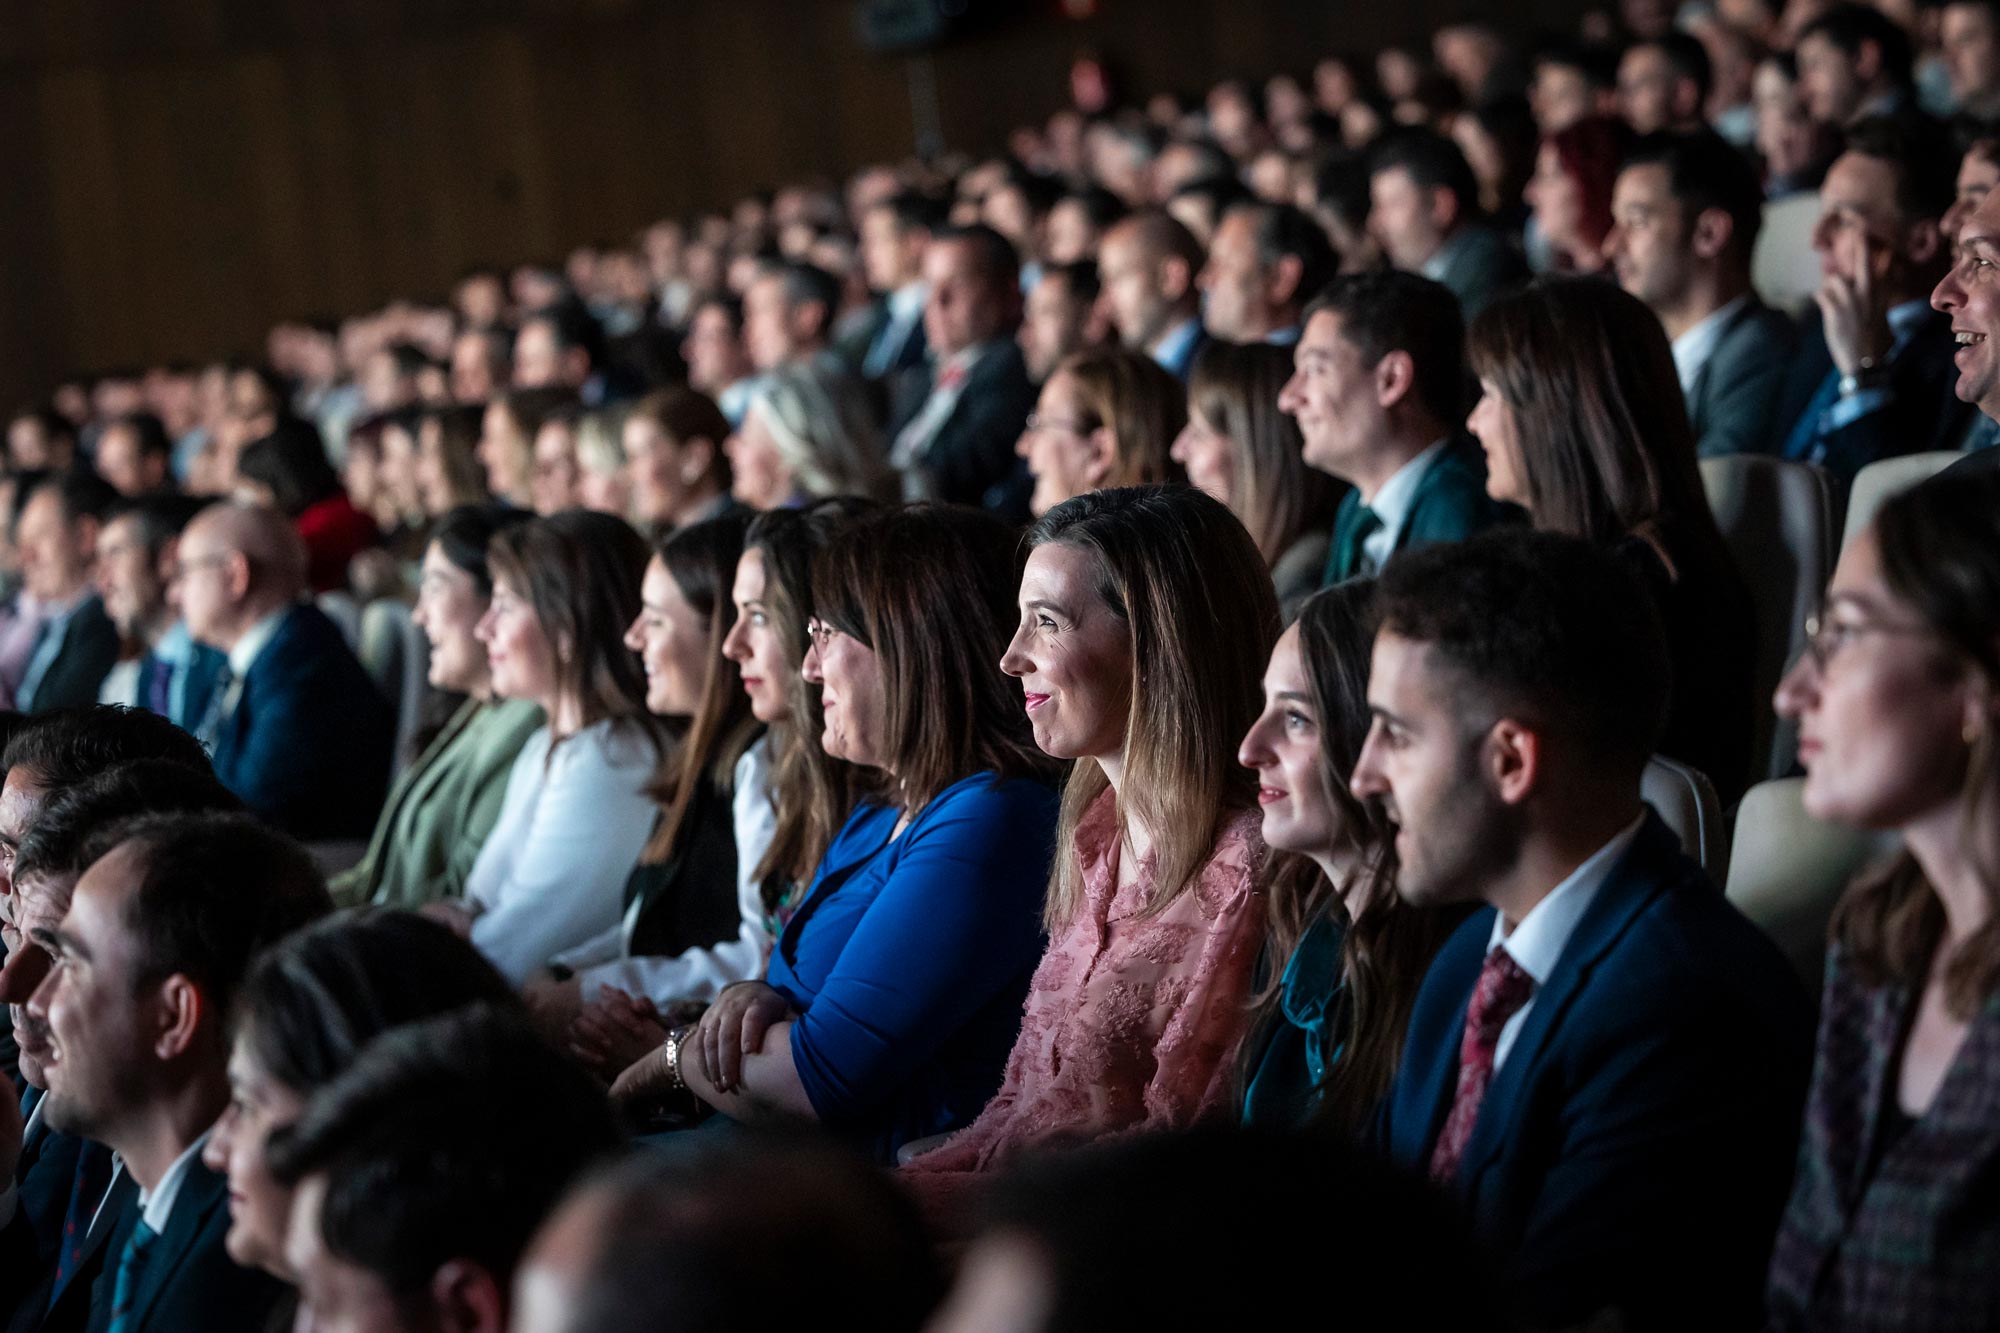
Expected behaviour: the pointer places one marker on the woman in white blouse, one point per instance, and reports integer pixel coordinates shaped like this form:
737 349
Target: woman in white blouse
578 810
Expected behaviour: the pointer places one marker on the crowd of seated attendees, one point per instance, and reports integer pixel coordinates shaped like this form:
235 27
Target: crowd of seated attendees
958 742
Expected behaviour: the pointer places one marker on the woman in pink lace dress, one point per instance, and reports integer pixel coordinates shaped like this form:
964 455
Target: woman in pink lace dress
1146 617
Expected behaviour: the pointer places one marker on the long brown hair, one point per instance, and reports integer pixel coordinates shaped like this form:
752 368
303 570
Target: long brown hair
930 588
1141 403
1940 551
580 573
1234 390
1182 573
812 792
1388 945
701 559
1606 449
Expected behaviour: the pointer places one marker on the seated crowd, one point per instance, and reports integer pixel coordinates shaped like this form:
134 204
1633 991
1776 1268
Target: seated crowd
904 736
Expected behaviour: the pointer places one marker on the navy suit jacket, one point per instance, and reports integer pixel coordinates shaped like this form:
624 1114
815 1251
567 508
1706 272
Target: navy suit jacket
1735 395
1635 1149
308 744
89 651
971 459
35 1304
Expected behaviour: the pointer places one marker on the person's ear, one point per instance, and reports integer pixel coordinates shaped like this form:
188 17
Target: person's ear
182 1010
1283 284
1444 208
1395 378
1868 62
1713 229
1175 277
235 573
1513 760
1923 241
466 1299
1102 454
696 458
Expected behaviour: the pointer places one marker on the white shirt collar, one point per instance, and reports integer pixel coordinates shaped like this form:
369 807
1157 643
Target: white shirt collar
1393 497
1538 940
906 303
248 648
156 1206
1693 348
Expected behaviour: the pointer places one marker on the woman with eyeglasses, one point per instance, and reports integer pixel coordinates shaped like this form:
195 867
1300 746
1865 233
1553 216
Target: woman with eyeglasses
895 989
1891 1223
1106 417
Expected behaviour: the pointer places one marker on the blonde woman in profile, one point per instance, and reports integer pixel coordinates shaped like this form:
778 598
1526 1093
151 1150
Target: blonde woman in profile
1146 619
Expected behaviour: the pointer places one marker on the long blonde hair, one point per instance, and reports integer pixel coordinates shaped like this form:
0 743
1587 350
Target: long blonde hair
1182 573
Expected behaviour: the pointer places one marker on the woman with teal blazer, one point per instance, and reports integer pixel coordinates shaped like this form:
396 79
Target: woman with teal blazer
446 802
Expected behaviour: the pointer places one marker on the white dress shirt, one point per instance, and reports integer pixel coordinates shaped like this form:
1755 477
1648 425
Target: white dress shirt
1538 941
551 875
156 1206
1693 348
1392 502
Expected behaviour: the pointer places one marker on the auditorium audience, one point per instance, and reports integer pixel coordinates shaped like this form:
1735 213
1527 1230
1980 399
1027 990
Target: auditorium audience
1243 450
288 470
675 460
956 443
1634 1050
1146 615
1376 387
412 1197
1424 212
312 1002
682 1242
693 918
1105 418
1583 428
447 799
895 989
298 731
1895 701
1685 216
149 958
576 814
1148 267
75 644
1344 955
1854 62
1869 378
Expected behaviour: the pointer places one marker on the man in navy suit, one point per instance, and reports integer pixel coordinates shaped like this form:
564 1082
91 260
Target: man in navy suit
1605 1066
1149 267
171 675
77 645
150 954
299 732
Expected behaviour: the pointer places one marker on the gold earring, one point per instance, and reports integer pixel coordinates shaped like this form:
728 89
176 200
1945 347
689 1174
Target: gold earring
1972 733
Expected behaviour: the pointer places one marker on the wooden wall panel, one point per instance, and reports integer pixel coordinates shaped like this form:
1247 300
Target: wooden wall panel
182 173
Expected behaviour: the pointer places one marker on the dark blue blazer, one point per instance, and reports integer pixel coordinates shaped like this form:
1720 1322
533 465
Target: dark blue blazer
1635 1149
33 1302
308 744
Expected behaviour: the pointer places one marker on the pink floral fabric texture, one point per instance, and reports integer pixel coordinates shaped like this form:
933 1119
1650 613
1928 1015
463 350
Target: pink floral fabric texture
1132 1021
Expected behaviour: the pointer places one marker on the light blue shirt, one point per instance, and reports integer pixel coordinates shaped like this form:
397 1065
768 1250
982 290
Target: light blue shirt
1391 505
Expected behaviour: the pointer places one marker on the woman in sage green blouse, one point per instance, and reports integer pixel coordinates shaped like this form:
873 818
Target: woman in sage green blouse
1345 955
441 809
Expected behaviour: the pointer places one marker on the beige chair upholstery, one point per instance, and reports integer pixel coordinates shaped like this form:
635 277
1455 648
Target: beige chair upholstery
1777 518
1878 481
396 655
1787 870
1686 801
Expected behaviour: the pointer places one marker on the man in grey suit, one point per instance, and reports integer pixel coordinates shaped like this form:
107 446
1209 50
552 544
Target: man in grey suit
1685 213
1424 211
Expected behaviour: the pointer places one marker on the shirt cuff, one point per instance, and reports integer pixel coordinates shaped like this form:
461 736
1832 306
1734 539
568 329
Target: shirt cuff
1847 410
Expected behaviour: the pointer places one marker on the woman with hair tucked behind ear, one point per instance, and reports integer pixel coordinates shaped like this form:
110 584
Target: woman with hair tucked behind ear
1146 616
1346 955
1106 417
1891 1223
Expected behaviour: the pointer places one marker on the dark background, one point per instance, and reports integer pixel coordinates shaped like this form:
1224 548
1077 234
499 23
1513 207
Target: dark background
176 175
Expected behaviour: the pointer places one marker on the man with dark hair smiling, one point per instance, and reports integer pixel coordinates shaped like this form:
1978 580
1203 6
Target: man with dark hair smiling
1609 1047
1970 295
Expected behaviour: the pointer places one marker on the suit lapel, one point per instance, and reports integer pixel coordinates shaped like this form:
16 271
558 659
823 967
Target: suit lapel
1633 883
113 1220
200 1194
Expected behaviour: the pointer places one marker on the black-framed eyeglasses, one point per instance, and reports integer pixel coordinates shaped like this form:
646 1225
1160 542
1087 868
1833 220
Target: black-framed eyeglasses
1825 637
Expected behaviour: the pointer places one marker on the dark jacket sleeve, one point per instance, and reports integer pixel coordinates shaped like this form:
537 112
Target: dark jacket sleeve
1739 388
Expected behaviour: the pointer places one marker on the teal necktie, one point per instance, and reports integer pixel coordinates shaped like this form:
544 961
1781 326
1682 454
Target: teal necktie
131 1267
1350 556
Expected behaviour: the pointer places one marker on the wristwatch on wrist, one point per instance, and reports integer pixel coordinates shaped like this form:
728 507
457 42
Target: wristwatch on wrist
1867 373
676 1040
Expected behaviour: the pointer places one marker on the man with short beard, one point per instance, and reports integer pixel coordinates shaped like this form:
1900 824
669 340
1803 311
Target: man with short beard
1609 1047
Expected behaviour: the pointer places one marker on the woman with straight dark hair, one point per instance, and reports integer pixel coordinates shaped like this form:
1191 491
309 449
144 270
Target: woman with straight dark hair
1146 617
288 470
1242 450
1583 425
448 471
578 809
1345 954
1106 417
896 987
308 1006
445 803
693 919
674 457
1891 1223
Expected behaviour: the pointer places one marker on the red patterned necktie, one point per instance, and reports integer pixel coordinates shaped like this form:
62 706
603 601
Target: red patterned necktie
1503 988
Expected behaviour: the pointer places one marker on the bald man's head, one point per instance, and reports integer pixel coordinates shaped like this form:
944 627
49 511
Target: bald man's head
1147 266
238 563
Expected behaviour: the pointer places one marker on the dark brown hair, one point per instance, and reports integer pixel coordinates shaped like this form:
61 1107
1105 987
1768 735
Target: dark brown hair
930 589
1234 390
580 571
1180 571
1606 449
458 451
1139 400
1940 551
683 414
701 559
